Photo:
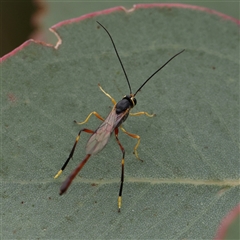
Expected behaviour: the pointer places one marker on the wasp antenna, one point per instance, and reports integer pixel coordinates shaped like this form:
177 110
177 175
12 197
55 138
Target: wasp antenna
158 71
117 56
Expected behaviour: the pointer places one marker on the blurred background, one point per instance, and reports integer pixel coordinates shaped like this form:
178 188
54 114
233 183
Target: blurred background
22 20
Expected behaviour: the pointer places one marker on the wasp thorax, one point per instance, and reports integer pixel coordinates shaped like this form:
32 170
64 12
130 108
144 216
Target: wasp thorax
126 103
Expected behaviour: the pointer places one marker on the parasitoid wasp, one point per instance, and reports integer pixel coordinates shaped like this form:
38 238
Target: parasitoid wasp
100 137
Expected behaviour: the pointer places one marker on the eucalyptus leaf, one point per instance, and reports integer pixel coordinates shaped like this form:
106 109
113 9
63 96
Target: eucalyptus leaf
189 178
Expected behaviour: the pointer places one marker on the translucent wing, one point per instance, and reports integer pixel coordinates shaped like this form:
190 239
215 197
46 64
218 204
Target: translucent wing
101 136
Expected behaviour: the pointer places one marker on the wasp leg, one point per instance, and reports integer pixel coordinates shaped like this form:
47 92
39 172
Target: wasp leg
95 113
142 113
70 178
138 141
108 95
72 151
122 174
134 135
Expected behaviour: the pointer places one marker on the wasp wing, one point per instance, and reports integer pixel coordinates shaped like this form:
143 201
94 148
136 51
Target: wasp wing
100 137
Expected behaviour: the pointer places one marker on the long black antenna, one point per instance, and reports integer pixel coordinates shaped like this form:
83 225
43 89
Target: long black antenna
158 71
117 56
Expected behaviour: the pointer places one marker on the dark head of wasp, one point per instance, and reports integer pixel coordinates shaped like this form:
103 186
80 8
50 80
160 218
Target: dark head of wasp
128 102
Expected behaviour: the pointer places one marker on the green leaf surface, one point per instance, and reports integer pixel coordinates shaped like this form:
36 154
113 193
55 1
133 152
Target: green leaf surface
190 175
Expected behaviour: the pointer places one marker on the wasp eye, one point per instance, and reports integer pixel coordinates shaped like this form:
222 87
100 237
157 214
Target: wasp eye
135 101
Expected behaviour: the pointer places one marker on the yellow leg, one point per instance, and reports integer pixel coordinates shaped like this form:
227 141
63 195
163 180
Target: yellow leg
142 113
108 95
138 141
95 113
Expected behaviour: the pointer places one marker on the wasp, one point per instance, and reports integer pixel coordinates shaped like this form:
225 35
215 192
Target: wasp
100 137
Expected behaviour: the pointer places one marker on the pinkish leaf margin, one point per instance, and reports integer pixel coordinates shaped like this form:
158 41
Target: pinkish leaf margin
111 10
226 222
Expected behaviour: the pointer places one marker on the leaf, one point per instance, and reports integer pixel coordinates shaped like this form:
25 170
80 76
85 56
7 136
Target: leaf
190 175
